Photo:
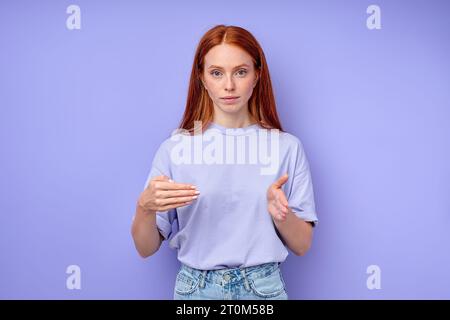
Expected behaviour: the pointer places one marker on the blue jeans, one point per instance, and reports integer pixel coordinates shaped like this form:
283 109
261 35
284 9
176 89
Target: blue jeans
261 282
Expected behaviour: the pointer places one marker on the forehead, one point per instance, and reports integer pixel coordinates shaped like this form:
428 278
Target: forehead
227 56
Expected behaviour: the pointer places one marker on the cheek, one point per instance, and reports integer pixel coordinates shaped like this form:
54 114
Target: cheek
213 87
247 86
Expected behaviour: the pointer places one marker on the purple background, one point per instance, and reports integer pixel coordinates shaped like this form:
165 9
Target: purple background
83 112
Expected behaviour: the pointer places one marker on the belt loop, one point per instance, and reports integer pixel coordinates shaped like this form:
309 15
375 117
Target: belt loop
202 278
247 286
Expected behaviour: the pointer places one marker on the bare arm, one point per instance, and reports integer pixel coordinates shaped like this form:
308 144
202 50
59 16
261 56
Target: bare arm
146 236
161 194
296 232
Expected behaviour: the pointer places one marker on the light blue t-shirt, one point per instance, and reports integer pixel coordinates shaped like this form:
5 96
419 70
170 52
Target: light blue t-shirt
229 225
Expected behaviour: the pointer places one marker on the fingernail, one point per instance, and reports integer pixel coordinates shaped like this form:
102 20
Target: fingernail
193 187
197 192
194 197
170 180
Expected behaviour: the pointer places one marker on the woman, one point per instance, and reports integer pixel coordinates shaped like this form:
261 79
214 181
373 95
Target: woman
235 215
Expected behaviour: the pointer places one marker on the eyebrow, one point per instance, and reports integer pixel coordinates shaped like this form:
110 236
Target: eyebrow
218 67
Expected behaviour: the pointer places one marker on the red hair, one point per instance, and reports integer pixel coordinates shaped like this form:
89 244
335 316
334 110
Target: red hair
261 105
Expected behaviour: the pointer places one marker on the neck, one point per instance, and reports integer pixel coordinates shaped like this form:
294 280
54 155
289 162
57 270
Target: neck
233 120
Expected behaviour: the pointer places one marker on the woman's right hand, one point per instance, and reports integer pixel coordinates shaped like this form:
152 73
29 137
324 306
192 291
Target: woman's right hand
162 195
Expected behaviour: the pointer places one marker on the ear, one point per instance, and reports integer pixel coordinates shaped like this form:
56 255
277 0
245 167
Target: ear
256 80
203 83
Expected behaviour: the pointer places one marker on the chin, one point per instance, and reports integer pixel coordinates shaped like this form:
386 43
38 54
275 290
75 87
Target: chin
231 108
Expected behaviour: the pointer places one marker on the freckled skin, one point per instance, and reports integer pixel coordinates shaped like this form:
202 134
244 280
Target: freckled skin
233 74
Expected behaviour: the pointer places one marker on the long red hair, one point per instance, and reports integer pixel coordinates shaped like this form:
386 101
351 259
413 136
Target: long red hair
199 106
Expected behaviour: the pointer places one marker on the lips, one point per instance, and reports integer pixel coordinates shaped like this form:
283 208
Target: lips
229 98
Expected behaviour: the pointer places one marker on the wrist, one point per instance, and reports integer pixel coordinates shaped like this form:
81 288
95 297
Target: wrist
140 210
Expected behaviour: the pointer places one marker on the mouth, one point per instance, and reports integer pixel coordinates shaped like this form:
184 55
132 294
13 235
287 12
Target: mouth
229 98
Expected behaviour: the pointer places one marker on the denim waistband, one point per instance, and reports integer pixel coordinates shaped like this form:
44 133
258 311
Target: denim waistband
232 275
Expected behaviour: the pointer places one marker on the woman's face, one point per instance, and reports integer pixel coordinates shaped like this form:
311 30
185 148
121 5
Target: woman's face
229 71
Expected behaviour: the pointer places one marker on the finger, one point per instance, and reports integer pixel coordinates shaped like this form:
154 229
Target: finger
279 210
271 194
279 197
277 215
282 180
178 193
161 178
165 208
170 201
156 178
162 185
272 209
177 205
282 199
282 209
280 215
275 210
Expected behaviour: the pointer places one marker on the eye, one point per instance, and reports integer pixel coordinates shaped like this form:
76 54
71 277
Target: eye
242 72
214 73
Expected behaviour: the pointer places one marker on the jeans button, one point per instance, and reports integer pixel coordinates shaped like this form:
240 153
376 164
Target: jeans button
226 277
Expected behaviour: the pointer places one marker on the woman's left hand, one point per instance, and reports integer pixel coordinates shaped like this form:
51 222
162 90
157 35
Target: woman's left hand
277 203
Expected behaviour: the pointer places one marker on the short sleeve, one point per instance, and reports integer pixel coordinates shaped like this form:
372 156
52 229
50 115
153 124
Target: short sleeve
301 194
161 166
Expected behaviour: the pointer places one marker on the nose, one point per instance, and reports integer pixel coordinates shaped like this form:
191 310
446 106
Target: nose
229 86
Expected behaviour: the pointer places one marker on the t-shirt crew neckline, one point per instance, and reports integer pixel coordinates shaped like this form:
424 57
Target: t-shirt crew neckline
234 131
